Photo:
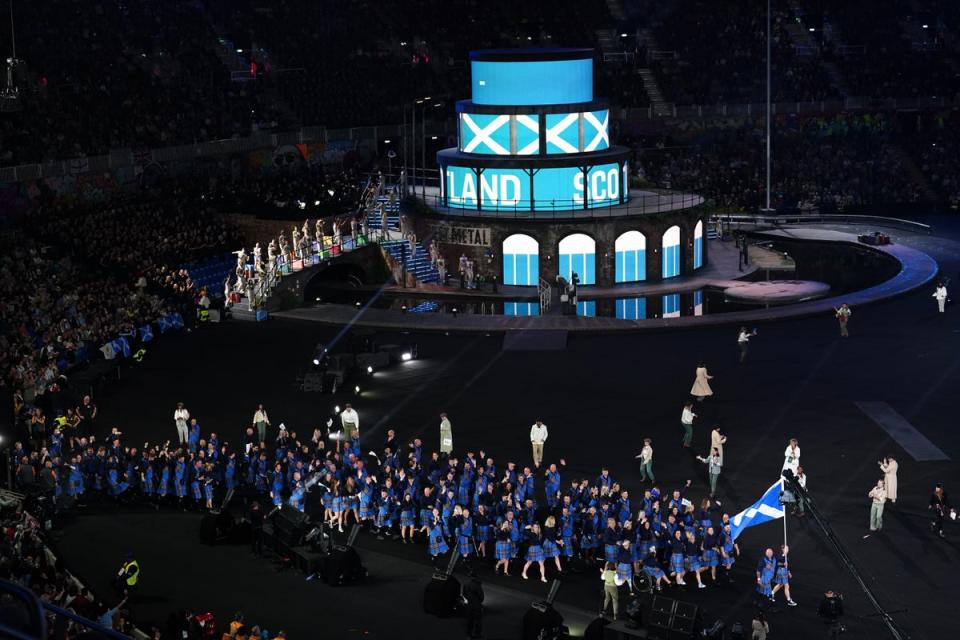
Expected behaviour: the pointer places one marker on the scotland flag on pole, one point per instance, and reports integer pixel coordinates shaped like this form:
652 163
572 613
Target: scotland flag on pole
765 509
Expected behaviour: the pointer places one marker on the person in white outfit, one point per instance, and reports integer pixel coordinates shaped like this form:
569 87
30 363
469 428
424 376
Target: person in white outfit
791 456
538 436
181 417
701 385
941 296
350 420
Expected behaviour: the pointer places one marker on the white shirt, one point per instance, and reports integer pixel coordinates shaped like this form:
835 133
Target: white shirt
351 416
791 458
646 455
941 293
802 480
180 416
743 337
260 416
538 433
687 417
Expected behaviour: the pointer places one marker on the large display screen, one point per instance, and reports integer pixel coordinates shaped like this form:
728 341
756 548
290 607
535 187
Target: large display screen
559 188
527 83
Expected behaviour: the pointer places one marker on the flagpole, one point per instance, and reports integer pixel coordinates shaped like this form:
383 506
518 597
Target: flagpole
784 517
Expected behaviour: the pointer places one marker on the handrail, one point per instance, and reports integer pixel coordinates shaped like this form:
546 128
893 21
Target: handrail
822 218
38 624
545 292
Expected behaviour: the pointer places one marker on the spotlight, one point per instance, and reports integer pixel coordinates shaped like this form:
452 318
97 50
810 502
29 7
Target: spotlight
369 369
318 298
926 26
623 35
316 203
356 389
239 50
336 409
812 29
316 362
330 191
387 141
406 356
358 303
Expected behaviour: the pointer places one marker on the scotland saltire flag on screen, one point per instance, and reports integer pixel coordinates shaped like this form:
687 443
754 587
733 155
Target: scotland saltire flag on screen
765 509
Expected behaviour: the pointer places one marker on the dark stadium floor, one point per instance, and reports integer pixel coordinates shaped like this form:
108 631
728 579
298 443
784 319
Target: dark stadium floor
599 397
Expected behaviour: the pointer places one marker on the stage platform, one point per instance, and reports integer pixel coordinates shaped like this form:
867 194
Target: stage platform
916 269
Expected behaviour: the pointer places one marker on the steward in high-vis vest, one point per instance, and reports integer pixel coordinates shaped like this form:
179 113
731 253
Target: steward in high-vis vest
128 575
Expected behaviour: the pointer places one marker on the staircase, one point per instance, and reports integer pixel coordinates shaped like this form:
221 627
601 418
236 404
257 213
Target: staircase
418 264
660 105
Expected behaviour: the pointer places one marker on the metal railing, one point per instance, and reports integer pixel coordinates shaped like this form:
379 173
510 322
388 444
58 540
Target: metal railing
35 613
545 292
554 209
817 218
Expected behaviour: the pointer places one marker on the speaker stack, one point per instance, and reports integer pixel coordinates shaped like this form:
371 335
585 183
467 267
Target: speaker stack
441 595
290 526
341 566
673 620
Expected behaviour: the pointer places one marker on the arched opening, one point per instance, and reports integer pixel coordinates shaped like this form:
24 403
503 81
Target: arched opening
698 245
631 257
578 254
521 260
671 252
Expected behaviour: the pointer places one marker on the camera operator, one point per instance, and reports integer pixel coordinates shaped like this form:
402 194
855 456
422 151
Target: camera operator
831 610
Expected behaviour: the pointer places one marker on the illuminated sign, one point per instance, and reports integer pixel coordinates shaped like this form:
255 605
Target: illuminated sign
503 135
501 189
532 82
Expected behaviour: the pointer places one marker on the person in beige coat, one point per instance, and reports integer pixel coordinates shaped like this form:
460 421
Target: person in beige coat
717 440
889 468
701 386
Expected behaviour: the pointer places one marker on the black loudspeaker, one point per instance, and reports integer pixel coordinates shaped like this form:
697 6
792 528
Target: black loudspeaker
542 623
671 619
441 595
290 525
594 630
216 527
342 566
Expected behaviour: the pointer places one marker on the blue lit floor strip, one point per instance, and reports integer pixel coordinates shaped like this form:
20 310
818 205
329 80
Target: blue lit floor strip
904 433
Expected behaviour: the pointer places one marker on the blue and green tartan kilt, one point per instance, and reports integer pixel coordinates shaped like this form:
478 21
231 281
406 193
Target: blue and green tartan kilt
407 519
610 552
426 517
567 549
438 545
783 576
625 571
351 502
729 559
711 558
504 550
764 588
693 563
676 564
653 571
483 532
465 545
367 510
550 549
337 505
534 553
384 519
588 541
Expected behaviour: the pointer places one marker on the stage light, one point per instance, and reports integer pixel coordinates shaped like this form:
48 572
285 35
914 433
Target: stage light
336 409
623 35
358 303
316 203
926 26
406 356
369 369
403 43
239 50
433 137
386 141
812 29
330 191
356 389
318 298
316 361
